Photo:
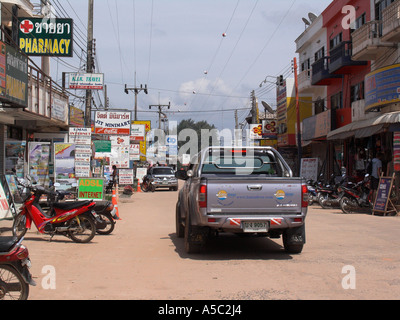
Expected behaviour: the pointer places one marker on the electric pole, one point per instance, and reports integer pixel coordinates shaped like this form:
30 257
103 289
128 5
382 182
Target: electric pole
137 91
299 146
160 107
89 65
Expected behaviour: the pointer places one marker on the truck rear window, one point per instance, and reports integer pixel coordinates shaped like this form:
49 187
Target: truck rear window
254 165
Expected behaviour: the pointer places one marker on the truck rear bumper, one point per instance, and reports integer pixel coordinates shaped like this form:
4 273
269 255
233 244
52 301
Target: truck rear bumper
240 224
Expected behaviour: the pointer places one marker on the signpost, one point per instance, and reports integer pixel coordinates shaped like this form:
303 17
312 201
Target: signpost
383 203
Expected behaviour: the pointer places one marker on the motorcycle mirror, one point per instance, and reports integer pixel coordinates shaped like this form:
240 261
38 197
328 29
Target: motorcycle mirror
367 175
57 184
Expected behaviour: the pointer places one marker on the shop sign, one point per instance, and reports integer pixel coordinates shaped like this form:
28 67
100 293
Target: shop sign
146 123
76 117
16 77
88 81
113 123
80 136
256 131
382 87
91 189
102 146
383 194
138 132
46 37
269 129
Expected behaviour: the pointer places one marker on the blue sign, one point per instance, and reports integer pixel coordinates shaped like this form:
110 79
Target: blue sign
382 87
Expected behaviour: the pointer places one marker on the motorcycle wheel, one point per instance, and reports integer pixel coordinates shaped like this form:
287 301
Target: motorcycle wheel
144 187
19 226
83 231
321 200
12 285
345 205
110 224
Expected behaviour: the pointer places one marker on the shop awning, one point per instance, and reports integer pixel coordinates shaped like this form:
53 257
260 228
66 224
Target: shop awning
365 128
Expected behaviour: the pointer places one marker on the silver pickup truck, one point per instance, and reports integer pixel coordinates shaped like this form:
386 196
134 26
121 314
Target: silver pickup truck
246 190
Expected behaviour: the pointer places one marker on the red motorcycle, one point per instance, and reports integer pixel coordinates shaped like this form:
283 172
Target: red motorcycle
15 277
74 220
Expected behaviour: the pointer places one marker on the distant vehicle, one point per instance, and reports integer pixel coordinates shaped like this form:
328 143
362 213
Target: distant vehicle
248 190
163 177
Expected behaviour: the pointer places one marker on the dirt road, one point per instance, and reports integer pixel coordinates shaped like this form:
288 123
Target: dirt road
143 259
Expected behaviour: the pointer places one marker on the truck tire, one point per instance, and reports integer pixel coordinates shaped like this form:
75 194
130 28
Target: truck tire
294 240
194 238
180 229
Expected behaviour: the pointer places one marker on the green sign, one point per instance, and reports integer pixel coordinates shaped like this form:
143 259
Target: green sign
46 37
103 146
91 189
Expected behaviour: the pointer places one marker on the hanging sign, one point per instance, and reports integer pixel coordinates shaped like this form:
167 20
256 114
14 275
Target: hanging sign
46 37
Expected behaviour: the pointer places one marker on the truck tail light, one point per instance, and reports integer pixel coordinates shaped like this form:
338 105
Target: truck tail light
203 196
304 196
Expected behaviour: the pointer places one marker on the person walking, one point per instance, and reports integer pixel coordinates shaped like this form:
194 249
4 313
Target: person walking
376 173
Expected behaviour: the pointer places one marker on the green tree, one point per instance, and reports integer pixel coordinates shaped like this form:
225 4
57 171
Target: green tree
205 134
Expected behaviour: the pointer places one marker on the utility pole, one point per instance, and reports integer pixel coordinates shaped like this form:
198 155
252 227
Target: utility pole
89 64
136 90
299 146
160 107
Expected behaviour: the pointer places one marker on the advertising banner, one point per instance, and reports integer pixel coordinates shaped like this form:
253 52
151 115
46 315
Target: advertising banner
113 123
125 176
38 162
64 164
87 81
382 87
46 37
80 136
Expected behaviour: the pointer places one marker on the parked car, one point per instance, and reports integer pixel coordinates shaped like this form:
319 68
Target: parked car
163 177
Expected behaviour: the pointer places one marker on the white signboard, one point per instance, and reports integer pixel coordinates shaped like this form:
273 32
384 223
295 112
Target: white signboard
134 152
138 132
113 123
309 168
80 136
88 81
141 173
125 176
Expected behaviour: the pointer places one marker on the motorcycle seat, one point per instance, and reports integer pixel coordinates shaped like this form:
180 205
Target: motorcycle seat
71 205
6 243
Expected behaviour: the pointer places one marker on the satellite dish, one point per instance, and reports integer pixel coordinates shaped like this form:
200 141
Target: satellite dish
312 17
306 22
267 107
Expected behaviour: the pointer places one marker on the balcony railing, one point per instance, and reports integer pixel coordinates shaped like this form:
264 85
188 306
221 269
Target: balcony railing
367 42
391 22
44 99
305 80
341 59
321 75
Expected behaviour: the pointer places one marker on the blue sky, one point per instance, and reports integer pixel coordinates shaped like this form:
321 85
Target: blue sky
177 48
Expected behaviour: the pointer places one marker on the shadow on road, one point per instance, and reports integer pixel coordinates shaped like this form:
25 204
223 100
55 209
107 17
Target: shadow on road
233 247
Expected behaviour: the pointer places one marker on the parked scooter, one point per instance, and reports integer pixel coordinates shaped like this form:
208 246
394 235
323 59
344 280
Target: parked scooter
312 192
74 220
103 211
15 277
357 198
329 196
147 185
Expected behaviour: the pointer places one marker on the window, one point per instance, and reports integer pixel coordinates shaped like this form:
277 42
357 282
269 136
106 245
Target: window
335 41
336 101
357 92
361 20
306 65
320 54
319 106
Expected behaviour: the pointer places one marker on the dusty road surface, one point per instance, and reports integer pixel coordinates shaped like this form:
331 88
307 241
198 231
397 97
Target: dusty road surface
143 259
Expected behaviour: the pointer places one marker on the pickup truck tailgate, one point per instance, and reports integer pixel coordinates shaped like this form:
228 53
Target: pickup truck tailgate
244 196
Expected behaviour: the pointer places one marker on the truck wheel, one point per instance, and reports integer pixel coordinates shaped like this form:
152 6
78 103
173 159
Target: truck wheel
180 229
194 239
294 239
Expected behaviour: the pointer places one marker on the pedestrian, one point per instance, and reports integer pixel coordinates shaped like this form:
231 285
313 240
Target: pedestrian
376 173
114 175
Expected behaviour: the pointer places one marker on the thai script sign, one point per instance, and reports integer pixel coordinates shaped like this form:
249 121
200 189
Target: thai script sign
113 123
46 37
